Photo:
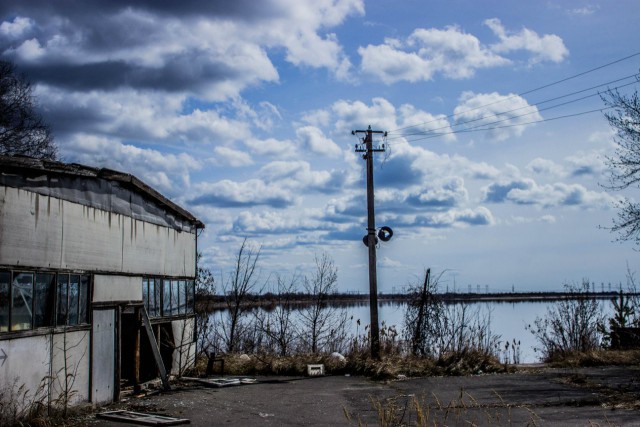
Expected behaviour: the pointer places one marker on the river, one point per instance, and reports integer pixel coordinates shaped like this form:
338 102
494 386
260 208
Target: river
507 320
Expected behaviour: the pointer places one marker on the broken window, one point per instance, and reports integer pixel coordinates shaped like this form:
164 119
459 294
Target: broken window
83 301
21 301
62 299
74 285
44 297
191 296
158 297
151 296
175 297
30 300
5 281
166 298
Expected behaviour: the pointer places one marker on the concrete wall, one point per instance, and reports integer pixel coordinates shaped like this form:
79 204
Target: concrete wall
38 364
184 354
41 231
116 288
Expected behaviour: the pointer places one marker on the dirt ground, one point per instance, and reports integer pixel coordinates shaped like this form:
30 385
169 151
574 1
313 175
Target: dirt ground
535 396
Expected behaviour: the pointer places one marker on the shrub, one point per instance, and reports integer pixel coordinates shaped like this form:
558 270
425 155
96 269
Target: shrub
571 325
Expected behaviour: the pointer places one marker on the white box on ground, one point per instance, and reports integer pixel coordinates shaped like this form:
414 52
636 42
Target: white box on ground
315 370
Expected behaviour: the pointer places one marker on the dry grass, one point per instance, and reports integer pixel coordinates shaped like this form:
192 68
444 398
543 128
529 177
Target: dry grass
358 363
409 410
599 357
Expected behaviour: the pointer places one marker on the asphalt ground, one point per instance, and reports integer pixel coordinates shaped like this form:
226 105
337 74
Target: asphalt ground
608 396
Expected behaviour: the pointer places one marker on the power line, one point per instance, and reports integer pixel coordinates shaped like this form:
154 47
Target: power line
529 91
528 106
511 117
511 125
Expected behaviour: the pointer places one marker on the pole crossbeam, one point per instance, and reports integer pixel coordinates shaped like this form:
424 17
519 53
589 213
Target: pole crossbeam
371 235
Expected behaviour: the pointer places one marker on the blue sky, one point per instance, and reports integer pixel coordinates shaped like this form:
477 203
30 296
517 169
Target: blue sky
242 112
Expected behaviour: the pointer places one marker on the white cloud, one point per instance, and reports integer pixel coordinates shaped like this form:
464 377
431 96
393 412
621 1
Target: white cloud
548 47
315 141
271 147
357 115
528 192
450 52
16 28
225 156
502 116
168 173
545 167
231 194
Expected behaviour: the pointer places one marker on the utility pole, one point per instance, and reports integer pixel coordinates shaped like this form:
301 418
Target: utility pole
371 239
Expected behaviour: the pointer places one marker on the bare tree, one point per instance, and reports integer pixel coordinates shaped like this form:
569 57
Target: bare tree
423 317
241 284
322 325
22 129
278 325
624 165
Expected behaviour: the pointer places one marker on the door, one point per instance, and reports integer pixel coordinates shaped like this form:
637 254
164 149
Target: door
103 356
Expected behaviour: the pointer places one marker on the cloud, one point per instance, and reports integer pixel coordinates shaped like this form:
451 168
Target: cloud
352 114
479 216
528 192
315 141
16 28
169 173
501 116
297 175
137 115
426 52
548 47
584 11
271 147
225 156
545 167
202 48
271 222
499 192
253 192
587 163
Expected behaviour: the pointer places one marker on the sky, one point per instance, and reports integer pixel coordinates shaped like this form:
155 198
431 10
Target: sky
494 172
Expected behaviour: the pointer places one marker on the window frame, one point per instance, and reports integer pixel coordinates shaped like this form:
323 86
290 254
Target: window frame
45 304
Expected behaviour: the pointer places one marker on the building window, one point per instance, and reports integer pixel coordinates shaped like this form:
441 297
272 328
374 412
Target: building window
44 300
5 283
168 297
21 301
31 300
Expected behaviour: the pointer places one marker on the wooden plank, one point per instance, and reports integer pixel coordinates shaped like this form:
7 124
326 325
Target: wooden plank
142 419
155 349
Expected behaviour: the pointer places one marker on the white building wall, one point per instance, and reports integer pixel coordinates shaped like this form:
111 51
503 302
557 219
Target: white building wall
38 365
59 234
116 288
70 359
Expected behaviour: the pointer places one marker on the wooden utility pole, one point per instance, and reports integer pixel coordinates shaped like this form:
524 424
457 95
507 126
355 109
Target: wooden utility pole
371 239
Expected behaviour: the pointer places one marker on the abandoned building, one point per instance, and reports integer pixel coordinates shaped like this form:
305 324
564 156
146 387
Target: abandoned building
97 281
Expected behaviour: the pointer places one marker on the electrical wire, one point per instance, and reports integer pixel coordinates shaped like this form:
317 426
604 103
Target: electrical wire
529 106
511 117
528 91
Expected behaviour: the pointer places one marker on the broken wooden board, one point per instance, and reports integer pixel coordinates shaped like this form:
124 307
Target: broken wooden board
221 382
142 418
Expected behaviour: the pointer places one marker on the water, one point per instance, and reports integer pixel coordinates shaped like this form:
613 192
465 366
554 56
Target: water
508 320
